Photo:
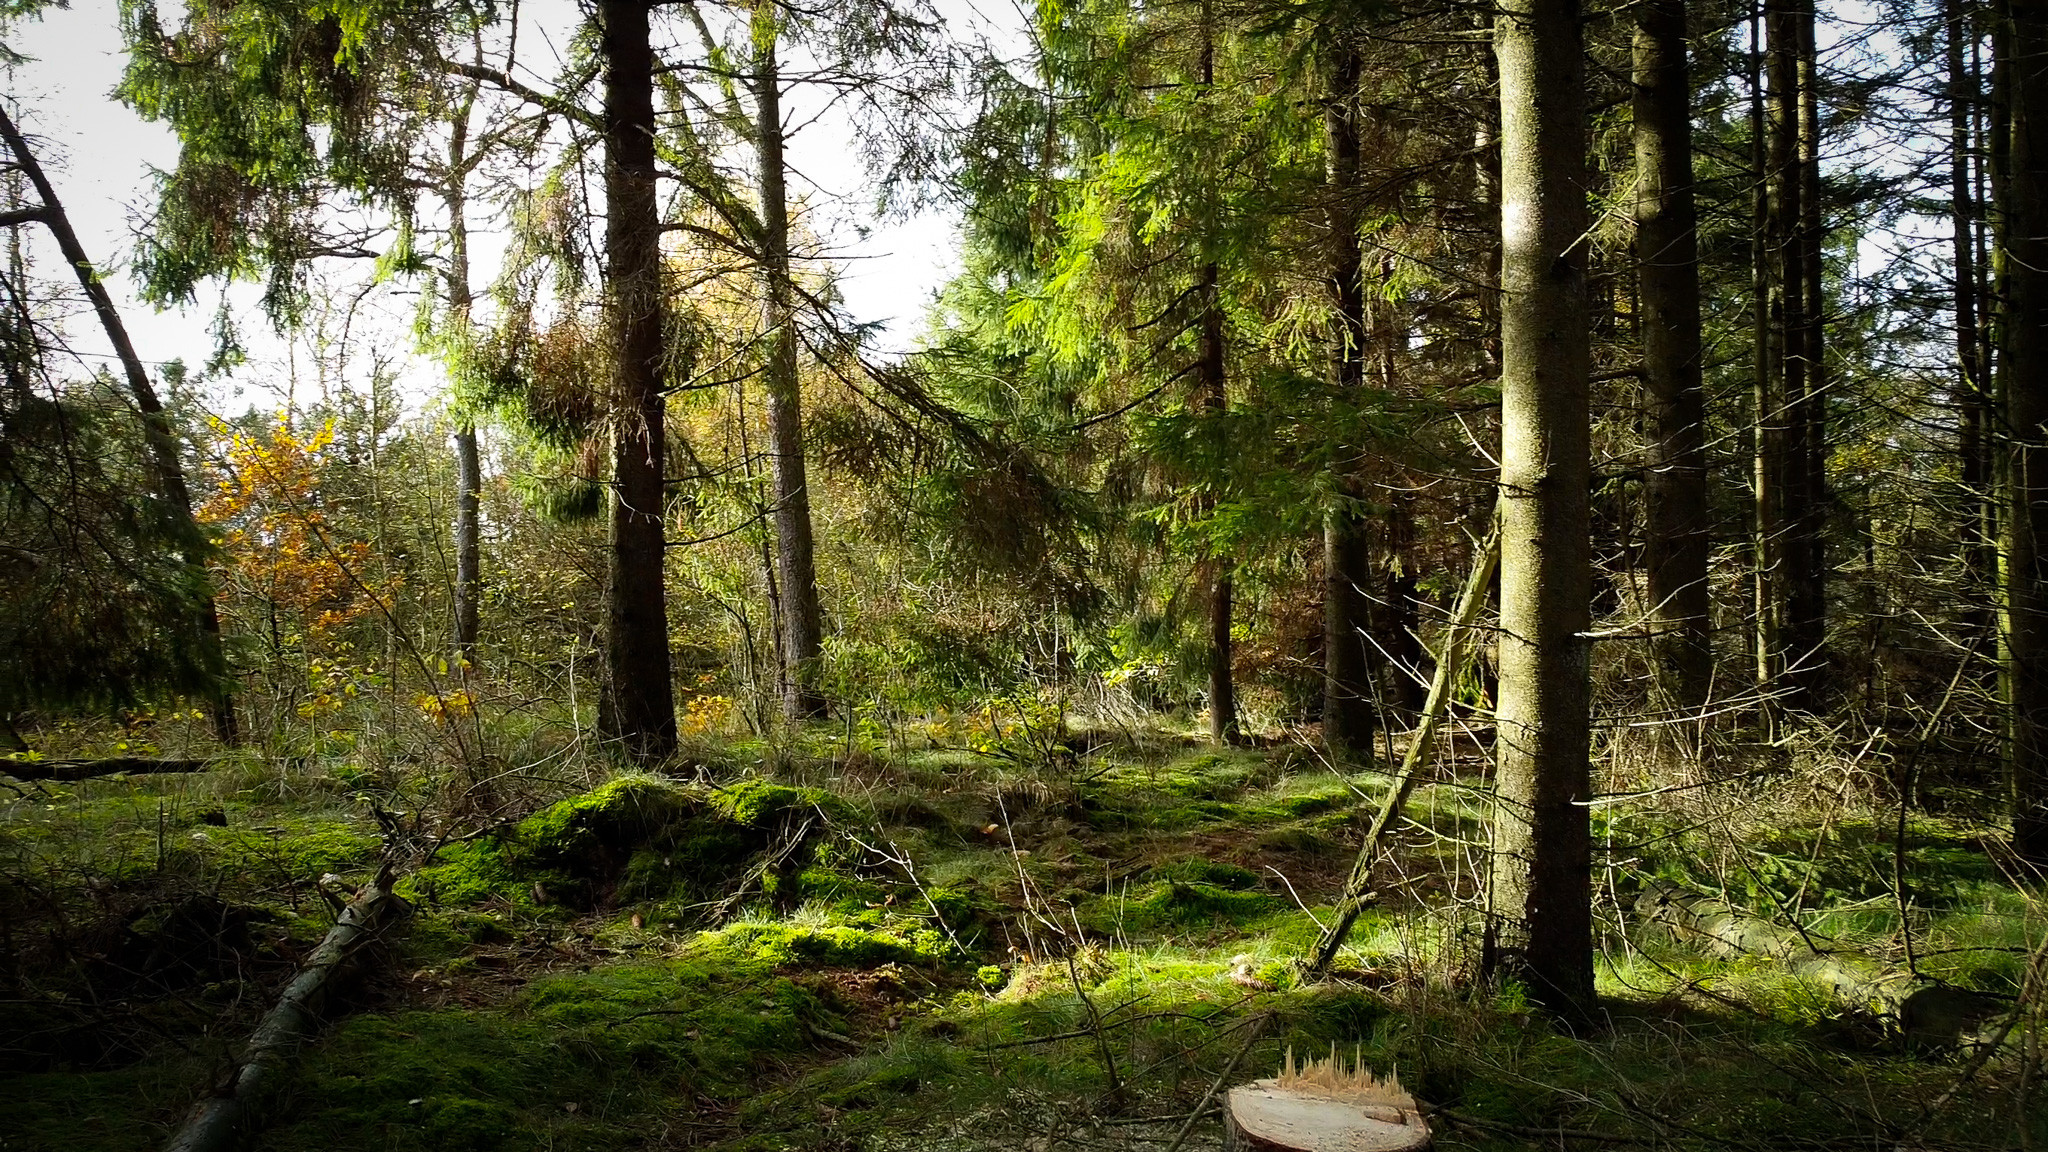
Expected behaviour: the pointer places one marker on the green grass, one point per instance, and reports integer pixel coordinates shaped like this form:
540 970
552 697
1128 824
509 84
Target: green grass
580 978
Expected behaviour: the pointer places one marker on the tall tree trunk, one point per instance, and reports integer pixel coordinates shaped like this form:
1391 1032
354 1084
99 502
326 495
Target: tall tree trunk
1223 728
2023 383
1973 412
802 621
1767 435
1349 712
469 482
1216 400
166 468
468 543
1393 608
1783 433
469 479
1806 514
639 704
1539 924
1215 382
1667 252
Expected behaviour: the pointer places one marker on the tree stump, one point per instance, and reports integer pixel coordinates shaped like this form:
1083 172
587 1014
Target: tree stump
1323 1108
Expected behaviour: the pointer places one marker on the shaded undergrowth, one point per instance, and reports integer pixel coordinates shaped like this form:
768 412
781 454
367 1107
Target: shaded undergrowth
834 948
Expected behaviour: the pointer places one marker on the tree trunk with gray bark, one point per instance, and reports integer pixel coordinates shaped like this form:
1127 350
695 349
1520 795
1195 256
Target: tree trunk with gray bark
795 560
1539 922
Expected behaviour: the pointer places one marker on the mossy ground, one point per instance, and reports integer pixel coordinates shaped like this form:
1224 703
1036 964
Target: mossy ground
945 951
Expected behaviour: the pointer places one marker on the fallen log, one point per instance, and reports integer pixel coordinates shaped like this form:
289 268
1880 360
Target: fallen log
1718 928
216 1123
1928 1014
1323 1107
22 769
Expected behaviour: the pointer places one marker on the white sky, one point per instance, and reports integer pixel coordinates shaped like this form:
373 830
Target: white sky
99 156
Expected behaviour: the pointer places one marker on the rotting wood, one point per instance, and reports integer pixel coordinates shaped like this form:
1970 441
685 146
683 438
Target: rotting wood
87 769
1324 1107
1720 929
1457 646
1928 1014
216 1123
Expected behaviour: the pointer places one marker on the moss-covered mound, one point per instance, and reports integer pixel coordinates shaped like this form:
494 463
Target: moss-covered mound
637 839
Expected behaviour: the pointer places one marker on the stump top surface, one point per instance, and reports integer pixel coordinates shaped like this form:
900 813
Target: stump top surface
1271 1117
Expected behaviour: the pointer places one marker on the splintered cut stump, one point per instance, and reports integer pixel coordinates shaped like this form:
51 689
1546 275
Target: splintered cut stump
1324 1108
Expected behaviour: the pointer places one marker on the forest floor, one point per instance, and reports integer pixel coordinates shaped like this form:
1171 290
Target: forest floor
1030 945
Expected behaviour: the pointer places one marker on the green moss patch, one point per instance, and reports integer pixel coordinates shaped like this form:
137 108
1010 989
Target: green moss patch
641 839
295 849
782 944
1175 905
1194 869
590 1060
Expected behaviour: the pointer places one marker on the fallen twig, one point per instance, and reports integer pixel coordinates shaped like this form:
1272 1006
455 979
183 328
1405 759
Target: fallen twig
1215 1085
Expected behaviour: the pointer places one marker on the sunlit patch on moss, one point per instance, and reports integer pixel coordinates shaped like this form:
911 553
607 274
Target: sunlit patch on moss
780 943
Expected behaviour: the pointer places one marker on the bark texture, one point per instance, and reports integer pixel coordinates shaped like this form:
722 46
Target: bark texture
1349 713
1539 925
221 1122
1791 425
1767 436
1667 255
802 620
2023 382
87 769
1211 367
639 702
1781 432
469 477
1973 418
469 564
1806 517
